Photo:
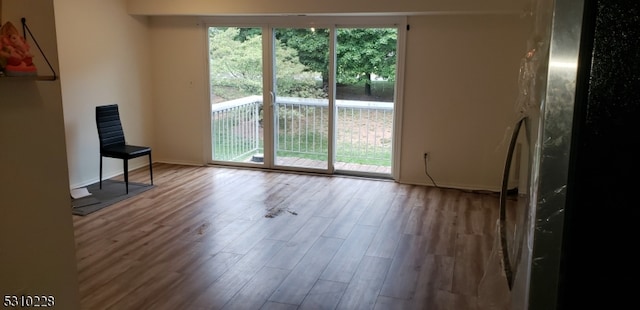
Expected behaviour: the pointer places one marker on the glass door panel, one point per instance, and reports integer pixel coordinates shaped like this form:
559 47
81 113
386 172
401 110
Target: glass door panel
300 97
235 68
365 93
330 94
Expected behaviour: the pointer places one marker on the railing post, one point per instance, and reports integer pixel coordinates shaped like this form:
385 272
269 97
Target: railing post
256 125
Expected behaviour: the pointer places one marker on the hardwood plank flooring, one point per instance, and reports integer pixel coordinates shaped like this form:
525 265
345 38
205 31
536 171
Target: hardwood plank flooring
224 238
319 164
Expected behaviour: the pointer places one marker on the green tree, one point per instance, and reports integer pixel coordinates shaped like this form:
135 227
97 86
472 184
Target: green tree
312 46
362 52
236 66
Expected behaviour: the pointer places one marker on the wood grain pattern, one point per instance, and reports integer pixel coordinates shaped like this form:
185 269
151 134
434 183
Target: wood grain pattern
201 240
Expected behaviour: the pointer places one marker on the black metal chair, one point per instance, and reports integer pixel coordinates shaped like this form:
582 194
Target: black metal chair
112 141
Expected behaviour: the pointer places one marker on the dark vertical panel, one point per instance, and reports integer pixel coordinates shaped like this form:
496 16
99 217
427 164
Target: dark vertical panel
602 215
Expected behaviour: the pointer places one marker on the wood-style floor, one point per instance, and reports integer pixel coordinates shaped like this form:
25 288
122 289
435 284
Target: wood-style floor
202 239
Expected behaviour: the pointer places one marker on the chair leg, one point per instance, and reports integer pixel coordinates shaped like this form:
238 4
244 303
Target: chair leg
126 174
100 171
150 169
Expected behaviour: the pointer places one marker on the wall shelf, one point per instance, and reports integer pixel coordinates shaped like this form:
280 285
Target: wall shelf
53 77
30 78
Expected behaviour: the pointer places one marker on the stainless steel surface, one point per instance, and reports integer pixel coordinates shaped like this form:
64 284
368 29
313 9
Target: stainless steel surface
551 158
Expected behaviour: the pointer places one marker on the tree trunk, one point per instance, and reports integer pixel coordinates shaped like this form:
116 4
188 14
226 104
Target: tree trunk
325 81
367 85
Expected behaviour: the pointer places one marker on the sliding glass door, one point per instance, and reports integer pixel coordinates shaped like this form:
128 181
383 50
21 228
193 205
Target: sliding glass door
365 94
236 94
301 98
304 98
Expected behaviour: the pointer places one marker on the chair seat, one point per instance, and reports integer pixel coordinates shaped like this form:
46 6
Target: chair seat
125 151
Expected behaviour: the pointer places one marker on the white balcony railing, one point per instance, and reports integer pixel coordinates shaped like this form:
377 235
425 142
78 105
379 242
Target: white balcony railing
363 135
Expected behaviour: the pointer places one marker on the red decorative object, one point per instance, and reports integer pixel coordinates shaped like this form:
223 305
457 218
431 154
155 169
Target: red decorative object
15 56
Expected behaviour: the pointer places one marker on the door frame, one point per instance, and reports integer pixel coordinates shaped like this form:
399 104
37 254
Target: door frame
268 23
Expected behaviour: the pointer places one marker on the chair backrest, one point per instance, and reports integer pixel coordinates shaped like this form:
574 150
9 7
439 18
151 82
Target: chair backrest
109 126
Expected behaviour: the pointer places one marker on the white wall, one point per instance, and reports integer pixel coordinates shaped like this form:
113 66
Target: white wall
37 252
459 96
104 59
460 92
243 7
180 89
460 87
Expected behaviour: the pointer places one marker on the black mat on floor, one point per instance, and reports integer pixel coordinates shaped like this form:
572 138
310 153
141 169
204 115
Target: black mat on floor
111 192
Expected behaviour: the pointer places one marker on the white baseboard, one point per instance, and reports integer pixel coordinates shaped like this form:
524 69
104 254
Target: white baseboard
179 162
107 175
465 187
